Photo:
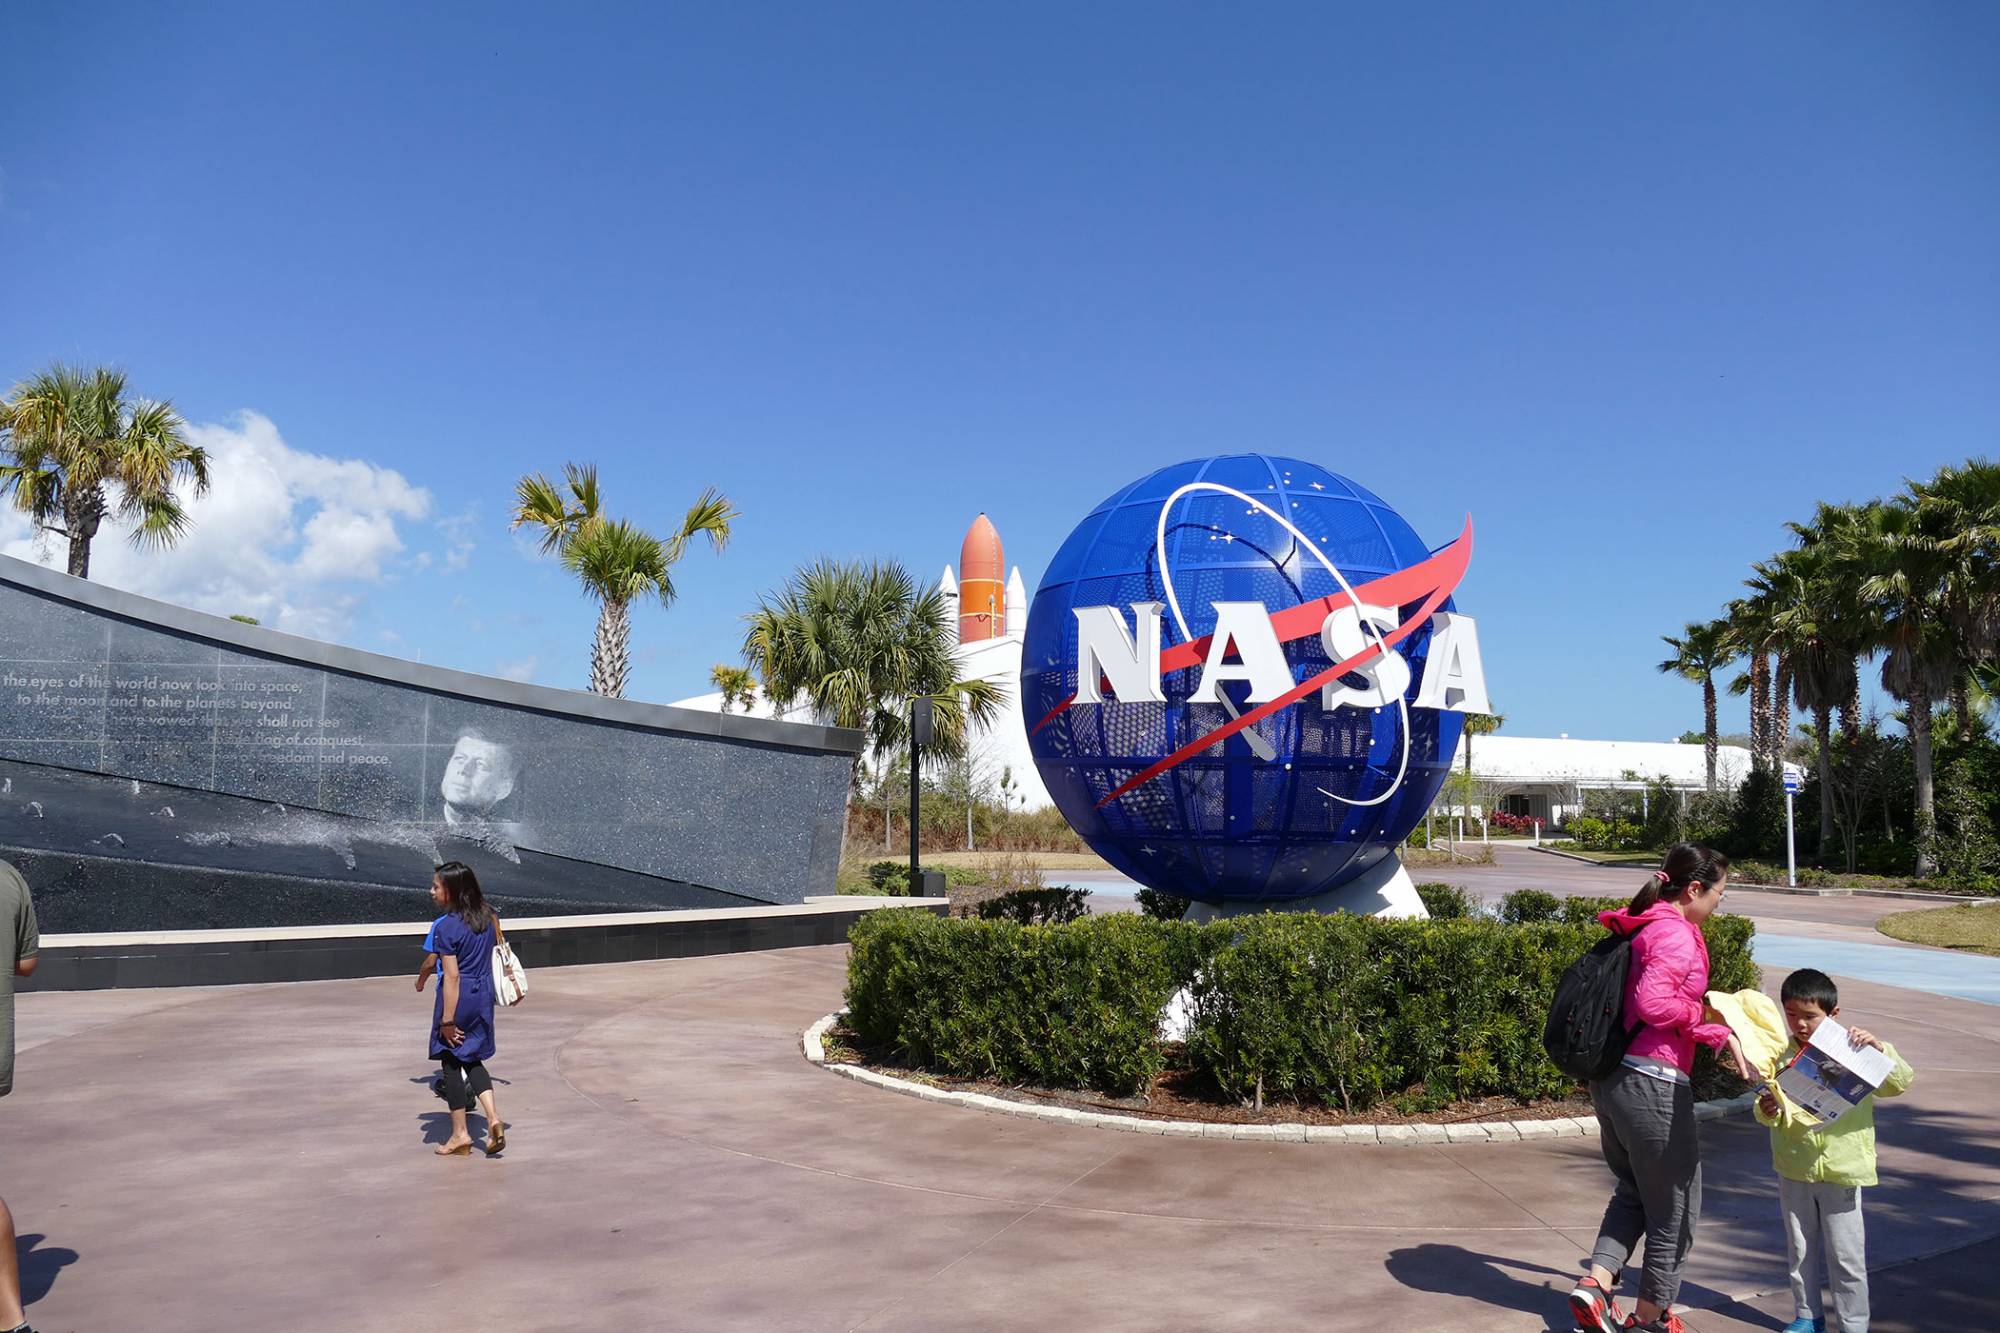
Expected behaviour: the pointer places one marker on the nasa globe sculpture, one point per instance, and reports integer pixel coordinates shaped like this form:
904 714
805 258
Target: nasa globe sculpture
1244 679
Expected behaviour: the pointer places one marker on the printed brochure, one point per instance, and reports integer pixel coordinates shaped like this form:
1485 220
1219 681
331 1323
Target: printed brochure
1829 1078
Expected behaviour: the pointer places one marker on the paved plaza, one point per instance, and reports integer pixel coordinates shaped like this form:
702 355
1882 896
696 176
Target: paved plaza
258 1157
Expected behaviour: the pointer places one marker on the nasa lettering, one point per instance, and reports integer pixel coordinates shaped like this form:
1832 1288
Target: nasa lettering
1244 679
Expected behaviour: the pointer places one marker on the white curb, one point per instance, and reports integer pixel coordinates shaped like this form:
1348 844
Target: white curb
813 1046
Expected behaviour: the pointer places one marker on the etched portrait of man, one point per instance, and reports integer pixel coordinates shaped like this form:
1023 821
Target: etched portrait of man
479 778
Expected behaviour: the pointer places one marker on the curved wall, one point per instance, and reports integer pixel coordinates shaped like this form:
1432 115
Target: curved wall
105 682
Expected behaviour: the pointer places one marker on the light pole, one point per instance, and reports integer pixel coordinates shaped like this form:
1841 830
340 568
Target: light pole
923 729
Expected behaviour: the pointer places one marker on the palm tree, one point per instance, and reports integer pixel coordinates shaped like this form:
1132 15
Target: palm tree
76 448
1961 508
1818 620
858 642
738 685
1479 724
1773 588
1704 648
617 562
1750 624
1907 567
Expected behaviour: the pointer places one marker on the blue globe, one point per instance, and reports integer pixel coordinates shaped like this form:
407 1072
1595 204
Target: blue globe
1302 800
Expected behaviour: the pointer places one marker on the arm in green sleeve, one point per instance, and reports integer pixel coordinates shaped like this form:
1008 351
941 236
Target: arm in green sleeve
1899 1078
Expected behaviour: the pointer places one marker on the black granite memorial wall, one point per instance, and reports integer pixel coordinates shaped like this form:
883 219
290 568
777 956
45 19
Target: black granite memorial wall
349 759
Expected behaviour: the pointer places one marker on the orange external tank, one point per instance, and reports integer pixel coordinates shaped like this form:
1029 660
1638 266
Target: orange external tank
982 588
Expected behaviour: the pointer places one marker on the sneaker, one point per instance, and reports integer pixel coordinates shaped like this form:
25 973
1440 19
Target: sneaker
1594 1309
1806 1326
1666 1323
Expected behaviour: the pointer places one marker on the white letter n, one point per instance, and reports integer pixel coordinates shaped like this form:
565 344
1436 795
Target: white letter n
1104 647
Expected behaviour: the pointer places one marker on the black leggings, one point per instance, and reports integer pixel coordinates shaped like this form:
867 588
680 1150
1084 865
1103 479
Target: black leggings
463 1081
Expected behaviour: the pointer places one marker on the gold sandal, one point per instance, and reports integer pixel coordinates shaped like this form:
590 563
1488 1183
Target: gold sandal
496 1139
462 1150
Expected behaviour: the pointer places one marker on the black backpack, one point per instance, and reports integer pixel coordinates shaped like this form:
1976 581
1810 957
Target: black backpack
1586 1035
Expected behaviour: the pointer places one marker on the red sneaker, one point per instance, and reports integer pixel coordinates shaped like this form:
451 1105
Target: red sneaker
1666 1323
1594 1309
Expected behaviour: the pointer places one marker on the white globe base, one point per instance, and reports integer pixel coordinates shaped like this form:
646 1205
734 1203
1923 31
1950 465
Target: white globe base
1385 890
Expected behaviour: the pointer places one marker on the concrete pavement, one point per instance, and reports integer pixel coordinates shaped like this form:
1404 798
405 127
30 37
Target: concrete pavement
258 1157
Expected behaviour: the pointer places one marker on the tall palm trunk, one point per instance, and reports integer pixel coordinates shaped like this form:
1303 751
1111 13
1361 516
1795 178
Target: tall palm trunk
1961 707
83 512
1760 709
1823 725
611 650
1919 704
1709 739
1781 711
1850 709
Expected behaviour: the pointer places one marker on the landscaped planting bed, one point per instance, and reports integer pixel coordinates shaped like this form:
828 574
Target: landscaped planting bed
1291 1015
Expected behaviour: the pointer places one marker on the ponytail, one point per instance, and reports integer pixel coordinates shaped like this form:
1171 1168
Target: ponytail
1685 866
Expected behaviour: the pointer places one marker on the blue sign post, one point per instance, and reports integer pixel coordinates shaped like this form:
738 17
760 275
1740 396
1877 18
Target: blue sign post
1792 784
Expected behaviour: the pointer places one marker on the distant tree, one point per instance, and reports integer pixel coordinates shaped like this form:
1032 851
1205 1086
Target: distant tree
617 562
76 447
1704 648
1479 724
738 685
247 620
857 642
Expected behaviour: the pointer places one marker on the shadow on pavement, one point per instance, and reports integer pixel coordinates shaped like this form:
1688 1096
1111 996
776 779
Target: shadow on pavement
1455 1271
437 1126
39 1265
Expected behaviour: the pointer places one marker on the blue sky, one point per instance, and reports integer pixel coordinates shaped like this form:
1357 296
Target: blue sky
1632 285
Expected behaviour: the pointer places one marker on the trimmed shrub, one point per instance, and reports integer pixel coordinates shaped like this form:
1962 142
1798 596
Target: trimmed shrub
1162 906
1073 1006
1036 907
1337 1009
1506 823
1446 902
1524 906
1583 911
892 878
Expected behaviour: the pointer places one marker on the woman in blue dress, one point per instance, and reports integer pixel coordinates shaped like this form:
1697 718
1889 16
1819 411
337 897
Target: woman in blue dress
462 1022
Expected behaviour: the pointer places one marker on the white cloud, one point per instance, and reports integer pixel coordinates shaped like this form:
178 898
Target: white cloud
523 670
282 535
458 532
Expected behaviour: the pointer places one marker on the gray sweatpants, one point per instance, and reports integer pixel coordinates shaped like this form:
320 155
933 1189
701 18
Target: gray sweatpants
1646 1126
1823 1224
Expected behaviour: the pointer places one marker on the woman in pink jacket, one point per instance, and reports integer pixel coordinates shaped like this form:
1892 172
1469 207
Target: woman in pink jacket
1645 1107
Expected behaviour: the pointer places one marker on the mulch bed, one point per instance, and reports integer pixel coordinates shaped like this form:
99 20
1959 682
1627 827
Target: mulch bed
1180 1094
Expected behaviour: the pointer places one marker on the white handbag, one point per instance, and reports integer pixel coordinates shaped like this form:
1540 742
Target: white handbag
510 979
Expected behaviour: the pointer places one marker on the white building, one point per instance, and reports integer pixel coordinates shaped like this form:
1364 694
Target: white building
1544 778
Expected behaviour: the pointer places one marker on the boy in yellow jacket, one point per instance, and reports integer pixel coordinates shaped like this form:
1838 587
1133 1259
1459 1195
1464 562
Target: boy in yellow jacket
1822 1170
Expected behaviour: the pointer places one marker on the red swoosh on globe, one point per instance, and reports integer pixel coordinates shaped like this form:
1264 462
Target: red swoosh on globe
1447 567
1443 569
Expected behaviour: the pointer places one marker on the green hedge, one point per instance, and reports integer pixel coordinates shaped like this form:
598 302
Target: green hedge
1036 907
1341 1010
1069 1006
1446 902
1350 1010
1525 906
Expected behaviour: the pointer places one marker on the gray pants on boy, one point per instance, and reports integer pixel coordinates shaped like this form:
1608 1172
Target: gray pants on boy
1646 1127
1823 1224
